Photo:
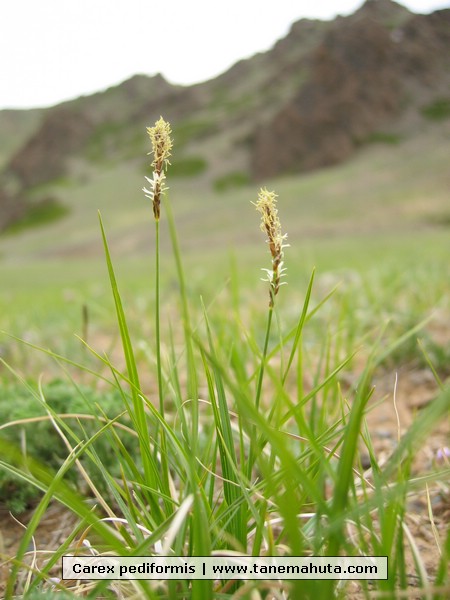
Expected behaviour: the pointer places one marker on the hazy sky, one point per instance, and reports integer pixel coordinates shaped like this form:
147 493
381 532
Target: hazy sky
53 50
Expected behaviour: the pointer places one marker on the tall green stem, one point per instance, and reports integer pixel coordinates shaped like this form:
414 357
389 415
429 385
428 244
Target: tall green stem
263 358
163 453
252 456
157 323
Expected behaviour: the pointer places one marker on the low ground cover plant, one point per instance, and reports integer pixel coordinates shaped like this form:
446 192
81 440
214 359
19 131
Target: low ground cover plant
246 441
26 414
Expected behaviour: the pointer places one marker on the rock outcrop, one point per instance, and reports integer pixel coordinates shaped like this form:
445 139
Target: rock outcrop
362 76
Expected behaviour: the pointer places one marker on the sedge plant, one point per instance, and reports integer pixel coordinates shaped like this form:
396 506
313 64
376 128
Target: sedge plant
270 224
237 456
161 142
161 151
266 205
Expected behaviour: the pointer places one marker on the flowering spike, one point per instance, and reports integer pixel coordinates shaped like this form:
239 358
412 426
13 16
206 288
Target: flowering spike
161 151
270 224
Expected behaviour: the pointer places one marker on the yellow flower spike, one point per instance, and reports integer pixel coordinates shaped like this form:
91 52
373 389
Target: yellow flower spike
161 144
161 151
270 224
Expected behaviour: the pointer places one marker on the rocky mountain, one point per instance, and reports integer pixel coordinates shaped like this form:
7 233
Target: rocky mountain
367 72
310 101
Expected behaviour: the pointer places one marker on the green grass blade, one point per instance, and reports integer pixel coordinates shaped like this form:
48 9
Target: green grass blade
150 468
192 378
301 322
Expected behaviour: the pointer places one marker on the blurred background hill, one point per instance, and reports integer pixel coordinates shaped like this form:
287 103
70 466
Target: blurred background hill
370 92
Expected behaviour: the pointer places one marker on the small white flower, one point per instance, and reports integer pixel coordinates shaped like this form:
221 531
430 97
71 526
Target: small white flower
157 185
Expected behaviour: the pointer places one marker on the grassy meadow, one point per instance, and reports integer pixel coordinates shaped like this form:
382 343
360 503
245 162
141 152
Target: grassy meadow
150 390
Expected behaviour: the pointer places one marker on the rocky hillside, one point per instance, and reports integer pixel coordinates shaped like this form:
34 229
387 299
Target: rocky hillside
311 101
368 73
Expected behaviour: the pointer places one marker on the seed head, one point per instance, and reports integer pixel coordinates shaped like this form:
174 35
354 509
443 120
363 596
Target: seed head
270 224
161 144
161 147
